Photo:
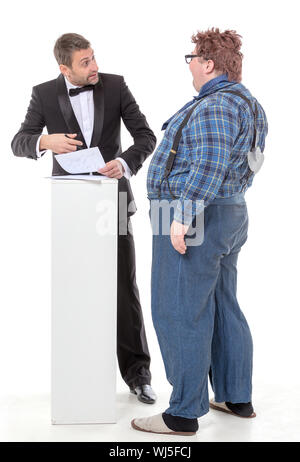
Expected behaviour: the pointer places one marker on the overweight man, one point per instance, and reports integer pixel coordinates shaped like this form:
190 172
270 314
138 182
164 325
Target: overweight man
205 169
88 107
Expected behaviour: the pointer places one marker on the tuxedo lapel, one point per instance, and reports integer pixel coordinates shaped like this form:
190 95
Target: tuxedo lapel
98 112
67 110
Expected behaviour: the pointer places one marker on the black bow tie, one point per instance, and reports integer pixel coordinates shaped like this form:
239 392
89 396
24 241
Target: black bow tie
76 91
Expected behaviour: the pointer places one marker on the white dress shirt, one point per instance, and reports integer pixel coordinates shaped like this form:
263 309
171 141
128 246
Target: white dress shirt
83 107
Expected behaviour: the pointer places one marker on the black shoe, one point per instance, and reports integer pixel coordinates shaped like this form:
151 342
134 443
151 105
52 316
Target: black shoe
144 393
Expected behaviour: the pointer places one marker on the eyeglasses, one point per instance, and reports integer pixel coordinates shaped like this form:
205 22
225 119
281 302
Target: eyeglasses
188 58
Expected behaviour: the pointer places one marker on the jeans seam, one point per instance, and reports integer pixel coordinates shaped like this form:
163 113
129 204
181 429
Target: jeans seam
180 317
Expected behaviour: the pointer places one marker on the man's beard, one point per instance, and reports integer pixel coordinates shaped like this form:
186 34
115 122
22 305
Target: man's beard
87 81
94 80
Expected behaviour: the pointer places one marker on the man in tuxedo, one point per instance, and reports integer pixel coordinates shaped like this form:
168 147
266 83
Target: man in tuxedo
83 108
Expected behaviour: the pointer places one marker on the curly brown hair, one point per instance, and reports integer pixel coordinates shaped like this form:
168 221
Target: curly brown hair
223 48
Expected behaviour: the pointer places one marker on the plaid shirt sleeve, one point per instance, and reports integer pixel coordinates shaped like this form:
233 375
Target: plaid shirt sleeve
209 138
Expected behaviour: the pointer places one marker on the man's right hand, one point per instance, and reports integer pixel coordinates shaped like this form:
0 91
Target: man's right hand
59 142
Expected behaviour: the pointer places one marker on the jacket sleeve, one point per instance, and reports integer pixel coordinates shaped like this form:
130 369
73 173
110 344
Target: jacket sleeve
136 123
24 142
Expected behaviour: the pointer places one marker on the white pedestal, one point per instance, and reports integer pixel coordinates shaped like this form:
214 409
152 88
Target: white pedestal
84 300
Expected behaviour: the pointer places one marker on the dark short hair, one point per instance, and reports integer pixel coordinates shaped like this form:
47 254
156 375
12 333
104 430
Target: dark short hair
223 48
66 44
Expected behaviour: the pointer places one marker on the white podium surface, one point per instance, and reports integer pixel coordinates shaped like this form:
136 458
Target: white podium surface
84 301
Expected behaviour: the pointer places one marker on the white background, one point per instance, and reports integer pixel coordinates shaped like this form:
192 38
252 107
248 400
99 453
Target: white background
146 42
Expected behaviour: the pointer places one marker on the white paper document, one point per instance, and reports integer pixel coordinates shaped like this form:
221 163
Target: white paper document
81 161
79 177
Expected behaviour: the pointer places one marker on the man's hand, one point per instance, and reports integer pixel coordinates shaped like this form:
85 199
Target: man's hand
112 169
59 142
177 233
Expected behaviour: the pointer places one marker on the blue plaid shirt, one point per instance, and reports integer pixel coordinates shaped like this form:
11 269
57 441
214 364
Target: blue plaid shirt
211 159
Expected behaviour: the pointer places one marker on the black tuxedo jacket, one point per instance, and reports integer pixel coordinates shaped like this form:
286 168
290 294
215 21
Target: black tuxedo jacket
50 106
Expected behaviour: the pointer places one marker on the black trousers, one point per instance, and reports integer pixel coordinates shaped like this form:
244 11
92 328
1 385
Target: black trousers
132 348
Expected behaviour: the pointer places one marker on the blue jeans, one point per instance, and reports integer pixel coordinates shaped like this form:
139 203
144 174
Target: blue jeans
200 327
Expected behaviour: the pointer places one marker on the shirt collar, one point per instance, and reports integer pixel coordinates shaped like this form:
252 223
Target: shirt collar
210 86
69 84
